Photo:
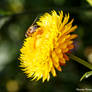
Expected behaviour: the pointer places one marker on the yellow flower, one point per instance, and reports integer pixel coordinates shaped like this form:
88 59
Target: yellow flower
47 48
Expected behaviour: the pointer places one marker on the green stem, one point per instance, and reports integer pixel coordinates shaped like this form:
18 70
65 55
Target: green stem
83 62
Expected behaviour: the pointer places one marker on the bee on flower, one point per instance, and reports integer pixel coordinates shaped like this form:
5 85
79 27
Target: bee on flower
31 29
46 49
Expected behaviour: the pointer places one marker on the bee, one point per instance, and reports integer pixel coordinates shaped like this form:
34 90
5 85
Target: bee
31 29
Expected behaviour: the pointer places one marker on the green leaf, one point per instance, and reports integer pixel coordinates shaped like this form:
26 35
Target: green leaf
86 75
2 12
89 1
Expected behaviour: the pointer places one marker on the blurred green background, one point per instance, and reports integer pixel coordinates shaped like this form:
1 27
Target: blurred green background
15 17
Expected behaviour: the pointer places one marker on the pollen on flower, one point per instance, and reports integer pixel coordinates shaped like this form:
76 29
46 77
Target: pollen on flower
46 50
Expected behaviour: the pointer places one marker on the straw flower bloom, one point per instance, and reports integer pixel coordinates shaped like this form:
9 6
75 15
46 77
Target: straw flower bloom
46 49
